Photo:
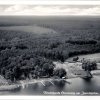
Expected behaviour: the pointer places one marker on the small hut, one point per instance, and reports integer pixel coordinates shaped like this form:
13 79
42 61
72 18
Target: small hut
76 58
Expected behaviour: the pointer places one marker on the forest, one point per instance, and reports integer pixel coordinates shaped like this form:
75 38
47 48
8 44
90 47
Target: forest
26 55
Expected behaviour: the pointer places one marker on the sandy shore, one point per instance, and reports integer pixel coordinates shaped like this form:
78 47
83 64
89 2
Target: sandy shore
23 83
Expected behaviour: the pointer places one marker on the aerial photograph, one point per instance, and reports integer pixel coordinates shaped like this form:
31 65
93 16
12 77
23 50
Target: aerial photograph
49 49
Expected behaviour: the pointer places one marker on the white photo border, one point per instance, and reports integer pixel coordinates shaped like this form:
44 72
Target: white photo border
49 2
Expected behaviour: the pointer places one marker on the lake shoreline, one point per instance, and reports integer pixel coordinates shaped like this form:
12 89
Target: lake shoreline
22 83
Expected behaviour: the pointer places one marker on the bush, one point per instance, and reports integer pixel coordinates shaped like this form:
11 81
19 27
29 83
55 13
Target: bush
60 72
89 65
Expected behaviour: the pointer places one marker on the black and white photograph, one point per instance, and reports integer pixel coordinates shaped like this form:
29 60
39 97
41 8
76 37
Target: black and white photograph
50 50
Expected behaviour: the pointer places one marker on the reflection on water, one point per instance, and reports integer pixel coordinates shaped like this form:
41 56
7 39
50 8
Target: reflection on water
77 85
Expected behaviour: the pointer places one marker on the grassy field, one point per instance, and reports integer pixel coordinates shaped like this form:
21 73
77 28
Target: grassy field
74 69
92 57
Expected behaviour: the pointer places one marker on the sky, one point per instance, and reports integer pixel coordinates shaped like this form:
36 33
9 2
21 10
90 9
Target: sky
45 10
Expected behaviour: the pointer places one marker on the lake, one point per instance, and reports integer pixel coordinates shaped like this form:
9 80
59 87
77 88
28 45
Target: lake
77 86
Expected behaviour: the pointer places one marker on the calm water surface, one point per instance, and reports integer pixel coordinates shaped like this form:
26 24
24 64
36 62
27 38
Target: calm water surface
76 85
